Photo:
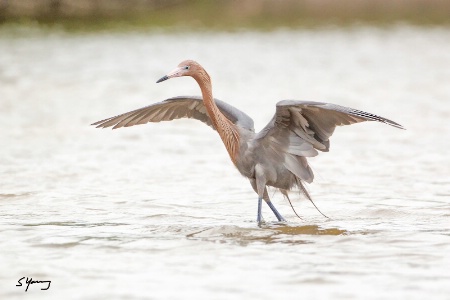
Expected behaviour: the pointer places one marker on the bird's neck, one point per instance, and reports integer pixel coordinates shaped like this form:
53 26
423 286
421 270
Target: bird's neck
226 129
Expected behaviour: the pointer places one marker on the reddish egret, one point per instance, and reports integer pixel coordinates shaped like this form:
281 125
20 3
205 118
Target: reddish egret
276 156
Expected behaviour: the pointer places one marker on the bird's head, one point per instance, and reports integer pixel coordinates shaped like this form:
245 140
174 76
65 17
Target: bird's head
185 68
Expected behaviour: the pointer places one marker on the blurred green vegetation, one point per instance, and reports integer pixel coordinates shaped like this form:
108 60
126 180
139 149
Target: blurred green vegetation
87 15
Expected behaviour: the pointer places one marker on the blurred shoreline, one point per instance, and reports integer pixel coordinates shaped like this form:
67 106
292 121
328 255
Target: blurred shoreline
191 14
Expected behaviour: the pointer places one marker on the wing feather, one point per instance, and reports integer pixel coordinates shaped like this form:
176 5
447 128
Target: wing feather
176 108
300 128
315 122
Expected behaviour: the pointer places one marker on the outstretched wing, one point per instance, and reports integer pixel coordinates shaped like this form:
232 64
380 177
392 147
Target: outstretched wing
176 108
300 128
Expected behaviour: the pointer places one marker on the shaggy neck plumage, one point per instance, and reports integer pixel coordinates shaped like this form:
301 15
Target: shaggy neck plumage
226 129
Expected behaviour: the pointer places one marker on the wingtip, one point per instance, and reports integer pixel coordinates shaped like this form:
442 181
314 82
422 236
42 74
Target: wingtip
102 124
99 125
396 125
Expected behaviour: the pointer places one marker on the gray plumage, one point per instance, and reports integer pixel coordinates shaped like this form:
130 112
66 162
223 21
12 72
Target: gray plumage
275 156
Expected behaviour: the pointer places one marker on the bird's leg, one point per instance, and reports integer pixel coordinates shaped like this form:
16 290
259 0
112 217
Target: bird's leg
272 207
259 185
259 215
275 211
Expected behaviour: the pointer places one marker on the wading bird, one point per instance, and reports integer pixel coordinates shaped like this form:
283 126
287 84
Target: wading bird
275 156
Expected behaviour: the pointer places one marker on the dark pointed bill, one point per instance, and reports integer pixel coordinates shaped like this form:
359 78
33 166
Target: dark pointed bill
165 77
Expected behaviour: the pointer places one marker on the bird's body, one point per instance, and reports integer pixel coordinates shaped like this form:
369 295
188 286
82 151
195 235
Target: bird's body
275 156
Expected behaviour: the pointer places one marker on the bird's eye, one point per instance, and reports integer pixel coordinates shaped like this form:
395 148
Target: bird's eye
186 67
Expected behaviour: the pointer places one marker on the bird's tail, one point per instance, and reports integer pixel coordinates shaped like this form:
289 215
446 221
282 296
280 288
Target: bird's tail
285 193
306 194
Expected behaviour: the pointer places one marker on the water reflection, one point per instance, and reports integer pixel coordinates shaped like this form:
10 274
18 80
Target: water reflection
266 233
308 230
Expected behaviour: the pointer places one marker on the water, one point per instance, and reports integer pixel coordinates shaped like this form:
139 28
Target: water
159 212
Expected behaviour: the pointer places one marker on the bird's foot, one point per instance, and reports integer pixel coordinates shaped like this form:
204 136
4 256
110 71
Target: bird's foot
261 222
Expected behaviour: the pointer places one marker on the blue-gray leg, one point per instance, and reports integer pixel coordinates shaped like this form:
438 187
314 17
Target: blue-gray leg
275 211
272 207
259 216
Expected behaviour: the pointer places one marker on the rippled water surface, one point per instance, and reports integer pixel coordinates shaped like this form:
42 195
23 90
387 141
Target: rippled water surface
159 212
